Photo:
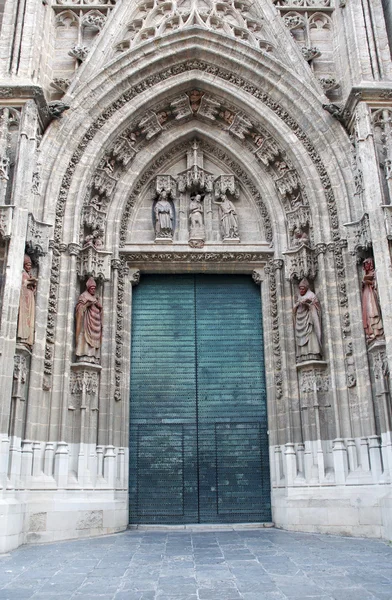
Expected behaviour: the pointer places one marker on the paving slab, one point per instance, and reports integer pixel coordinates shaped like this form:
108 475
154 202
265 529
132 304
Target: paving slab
260 564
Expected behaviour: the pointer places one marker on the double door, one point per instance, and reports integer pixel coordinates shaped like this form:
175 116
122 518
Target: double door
198 422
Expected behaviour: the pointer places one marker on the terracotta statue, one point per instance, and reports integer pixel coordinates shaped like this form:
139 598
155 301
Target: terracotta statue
196 214
228 218
371 311
26 318
163 212
307 315
89 319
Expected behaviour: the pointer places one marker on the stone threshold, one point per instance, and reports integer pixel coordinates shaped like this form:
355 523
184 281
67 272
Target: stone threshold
203 527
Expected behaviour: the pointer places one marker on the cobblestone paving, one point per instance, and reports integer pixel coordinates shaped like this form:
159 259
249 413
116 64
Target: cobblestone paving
200 565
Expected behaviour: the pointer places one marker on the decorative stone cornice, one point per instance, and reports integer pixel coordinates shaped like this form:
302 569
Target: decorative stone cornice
196 257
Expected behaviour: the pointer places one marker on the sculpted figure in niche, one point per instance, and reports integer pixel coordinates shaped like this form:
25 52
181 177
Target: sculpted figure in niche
196 224
26 318
163 212
307 316
89 320
371 311
228 218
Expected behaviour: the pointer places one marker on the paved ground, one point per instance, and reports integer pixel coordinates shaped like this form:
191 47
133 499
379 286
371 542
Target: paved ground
203 565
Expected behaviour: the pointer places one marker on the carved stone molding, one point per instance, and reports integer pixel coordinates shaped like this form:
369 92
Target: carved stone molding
379 361
134 276
314 380
388 220
300 263
79 51
21 366
38 235
358 235
74 249
84 386
6 212
271 269
196 257
299 218
94 263
258 276
328 83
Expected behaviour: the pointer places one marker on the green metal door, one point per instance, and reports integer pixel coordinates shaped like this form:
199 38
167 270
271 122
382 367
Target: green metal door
198 430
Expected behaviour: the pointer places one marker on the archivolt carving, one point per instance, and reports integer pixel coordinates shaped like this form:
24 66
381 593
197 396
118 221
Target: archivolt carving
142 86
236 19
270 269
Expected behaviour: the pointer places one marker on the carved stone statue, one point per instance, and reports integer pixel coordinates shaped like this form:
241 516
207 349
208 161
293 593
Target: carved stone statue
163 212
196 220
371 311
26 318
228 218
307 315
89 320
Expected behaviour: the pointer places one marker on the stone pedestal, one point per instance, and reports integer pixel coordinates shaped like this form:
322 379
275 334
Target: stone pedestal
83 402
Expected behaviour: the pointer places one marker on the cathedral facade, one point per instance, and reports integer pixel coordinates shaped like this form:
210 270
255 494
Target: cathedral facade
195 263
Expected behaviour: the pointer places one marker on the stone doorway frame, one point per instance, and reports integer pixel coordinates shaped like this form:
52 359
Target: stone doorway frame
193 261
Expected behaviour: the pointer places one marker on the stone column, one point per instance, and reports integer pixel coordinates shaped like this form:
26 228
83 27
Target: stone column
84 388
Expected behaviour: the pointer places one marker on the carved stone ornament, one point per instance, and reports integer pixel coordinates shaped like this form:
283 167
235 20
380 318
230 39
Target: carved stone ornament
267 151
56 108
310 53
314 380
197 257
60 84
258 276
307 320
134 276
288 181
38 236
226 184
163 217
328 83
104 181
298 219
388 220
300 263
380 368
94 263
88 325
20 375
6 212
94 21
79 51
84 386
358 235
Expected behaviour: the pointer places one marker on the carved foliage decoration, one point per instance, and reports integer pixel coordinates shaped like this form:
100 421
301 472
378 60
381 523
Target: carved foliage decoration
271 270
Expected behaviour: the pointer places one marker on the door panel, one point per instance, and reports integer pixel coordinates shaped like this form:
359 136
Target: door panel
163 437
198 445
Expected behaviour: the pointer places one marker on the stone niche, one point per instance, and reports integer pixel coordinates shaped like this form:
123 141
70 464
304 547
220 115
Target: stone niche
195 172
